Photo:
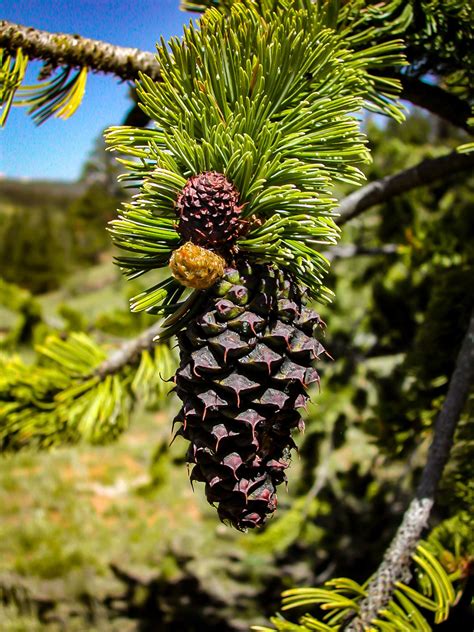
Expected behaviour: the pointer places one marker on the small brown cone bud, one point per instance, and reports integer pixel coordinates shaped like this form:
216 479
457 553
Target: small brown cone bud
209 212
196 267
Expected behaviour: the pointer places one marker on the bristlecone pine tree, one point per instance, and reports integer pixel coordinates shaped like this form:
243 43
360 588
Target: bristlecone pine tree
254 125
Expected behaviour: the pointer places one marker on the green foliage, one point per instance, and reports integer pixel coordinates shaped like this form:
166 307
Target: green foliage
395 344
440 39
439 34
395 330
295 527
34 248
47 231
12 622
87 218
27 314
338 600
248 95
457 490
59 97
452 542
64 398
12 72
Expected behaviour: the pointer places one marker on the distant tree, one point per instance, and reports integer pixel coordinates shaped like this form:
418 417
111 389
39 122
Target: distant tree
35 249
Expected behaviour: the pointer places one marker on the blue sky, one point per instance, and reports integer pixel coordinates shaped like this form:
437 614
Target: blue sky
57 149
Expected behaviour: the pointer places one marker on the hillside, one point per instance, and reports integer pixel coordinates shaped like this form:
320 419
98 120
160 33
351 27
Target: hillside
39 192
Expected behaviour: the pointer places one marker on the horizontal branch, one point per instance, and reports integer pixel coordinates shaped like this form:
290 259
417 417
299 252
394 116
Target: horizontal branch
420 175
76 51
436 100
395 566
129 352
60 49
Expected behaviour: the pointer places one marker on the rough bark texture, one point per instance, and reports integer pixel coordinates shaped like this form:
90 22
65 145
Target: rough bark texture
424 173
72 50
396 563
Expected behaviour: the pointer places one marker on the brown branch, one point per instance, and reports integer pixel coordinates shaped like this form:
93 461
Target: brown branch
72 50
424 173
396 563
437 101
129 352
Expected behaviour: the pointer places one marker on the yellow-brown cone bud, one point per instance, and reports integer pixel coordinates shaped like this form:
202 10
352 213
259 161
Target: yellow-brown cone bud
196 267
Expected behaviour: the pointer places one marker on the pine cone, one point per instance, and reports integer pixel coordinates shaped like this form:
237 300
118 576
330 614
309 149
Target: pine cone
209 212
246 362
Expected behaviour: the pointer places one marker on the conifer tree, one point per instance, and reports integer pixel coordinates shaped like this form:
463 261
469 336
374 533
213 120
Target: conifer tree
255 117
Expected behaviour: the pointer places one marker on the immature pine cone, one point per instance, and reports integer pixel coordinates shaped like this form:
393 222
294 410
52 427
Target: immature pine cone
209 212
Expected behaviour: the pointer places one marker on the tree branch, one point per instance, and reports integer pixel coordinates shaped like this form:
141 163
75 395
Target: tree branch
129 352
436 100
424 173
72 50
395 566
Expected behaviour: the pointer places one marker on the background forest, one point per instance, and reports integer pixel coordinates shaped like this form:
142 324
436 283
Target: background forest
111 537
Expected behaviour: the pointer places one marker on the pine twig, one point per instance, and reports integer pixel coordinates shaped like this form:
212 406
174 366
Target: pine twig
395 566
60 49
129 352
384 189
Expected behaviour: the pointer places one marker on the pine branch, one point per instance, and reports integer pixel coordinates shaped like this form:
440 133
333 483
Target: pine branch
129 353
384 189
75 51
395 565
436 100
59 49
458 391
74 392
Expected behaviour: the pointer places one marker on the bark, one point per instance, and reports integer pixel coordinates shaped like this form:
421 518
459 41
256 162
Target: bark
129 352
60 49
422 174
